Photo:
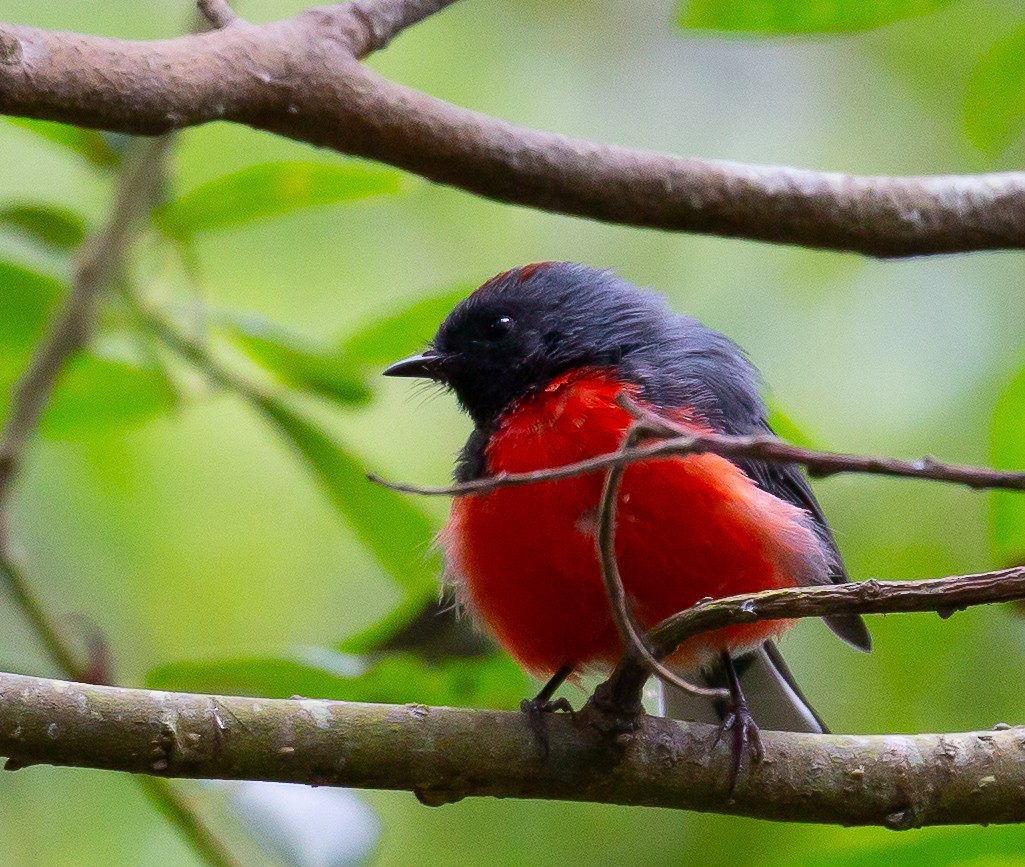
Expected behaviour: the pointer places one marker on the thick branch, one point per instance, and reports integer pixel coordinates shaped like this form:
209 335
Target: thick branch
300 78
443 754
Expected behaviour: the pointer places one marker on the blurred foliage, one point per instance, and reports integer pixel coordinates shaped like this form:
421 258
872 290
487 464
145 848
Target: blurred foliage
97 394
995 102
1008 445
204 502
266 190
494 681
800 16
301 363
392 527
57 227
27 299
87 143
379 343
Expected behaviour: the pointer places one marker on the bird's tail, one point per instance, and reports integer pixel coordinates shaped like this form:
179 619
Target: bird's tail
773 697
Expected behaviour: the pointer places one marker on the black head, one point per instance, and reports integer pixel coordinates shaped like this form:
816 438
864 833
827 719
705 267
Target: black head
526 326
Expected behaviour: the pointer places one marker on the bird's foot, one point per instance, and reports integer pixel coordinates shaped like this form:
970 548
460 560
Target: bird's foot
536 708
745 737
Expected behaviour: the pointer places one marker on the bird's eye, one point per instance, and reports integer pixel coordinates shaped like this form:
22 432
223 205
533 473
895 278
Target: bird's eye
498 327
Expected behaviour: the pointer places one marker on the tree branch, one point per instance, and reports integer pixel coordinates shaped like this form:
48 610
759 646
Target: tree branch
441 754
763 448
97 262
444 754
942 595
300 78
635 642
383 20
218 13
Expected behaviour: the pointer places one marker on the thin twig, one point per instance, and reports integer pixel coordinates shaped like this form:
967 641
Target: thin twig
43 625
942 595
196 352
758 447
97 263
179 811
634 642
218 13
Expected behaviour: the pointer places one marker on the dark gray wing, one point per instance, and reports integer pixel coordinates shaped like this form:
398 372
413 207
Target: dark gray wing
788 482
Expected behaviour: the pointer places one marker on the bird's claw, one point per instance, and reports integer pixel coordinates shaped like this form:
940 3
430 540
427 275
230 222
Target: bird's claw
535 709
745 737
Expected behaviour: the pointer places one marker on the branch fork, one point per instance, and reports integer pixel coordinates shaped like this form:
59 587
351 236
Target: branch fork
331 101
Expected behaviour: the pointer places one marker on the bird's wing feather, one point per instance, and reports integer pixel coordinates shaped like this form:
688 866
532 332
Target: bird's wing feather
774 697
789 483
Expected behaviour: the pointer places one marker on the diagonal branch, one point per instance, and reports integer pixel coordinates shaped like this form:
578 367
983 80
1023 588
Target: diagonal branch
945 596
300 78
95 267
98 263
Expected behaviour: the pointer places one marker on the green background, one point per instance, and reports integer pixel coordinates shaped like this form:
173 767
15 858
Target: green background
200 535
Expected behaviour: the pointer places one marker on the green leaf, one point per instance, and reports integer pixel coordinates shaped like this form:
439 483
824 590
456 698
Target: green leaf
299 362
992 846
57 227
423 626
269 189
26 300
397 533
394 335
777 17
370 640
786 429
96 394
492 681
87 143
1007 512
995 100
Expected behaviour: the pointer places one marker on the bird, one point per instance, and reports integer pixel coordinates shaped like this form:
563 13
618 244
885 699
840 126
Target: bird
539 357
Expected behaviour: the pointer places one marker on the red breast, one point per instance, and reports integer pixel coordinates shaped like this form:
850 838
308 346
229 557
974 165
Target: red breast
524 559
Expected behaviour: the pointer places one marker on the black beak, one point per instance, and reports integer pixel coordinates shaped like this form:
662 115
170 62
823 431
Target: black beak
426 365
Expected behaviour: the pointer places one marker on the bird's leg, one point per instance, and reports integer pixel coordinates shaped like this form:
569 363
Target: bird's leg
535 708
739 723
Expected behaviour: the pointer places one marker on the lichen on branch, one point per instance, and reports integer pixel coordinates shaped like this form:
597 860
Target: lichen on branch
444 754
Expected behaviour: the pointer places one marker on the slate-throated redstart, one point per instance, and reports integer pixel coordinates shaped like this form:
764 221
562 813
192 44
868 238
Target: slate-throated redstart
537 356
